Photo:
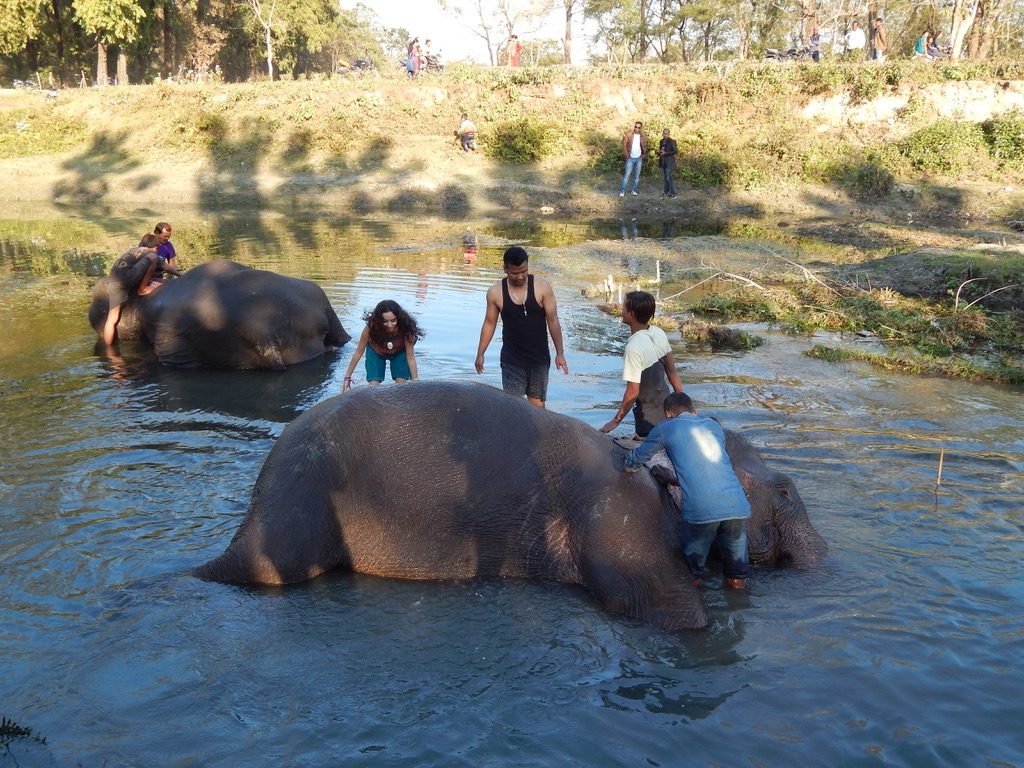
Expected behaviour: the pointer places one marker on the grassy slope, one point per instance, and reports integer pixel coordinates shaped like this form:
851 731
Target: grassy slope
773 136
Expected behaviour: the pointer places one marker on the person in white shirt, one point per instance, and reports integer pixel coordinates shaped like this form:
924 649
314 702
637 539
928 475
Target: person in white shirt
855 39
648 367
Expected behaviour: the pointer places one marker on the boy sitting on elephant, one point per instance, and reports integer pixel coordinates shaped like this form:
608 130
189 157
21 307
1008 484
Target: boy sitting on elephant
130 274
714 506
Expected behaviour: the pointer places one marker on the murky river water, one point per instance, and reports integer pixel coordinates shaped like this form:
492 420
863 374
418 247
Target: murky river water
903 648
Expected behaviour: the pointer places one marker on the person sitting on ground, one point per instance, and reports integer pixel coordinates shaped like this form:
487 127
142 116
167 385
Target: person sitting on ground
390 334
715 508
935 50
921 46
130 274
467 133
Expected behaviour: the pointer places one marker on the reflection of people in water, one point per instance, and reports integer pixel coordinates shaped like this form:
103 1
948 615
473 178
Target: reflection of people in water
632 232
390 334
469 246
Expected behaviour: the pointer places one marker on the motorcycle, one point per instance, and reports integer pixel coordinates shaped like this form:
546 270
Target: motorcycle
802 53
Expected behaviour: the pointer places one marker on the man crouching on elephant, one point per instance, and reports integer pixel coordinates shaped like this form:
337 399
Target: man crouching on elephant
714 506
131 273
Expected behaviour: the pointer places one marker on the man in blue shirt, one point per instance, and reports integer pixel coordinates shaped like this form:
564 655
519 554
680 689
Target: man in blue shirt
714 505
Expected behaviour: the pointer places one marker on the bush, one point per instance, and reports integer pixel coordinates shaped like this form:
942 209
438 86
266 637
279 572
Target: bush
520 141
708 169
1005 137
945 147
865 179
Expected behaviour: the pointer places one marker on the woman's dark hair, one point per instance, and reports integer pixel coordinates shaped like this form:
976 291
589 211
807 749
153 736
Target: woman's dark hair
407 325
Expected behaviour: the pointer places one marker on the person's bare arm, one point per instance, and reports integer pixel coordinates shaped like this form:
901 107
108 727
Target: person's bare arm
672 373
550 305
410 357
628 398
490 323
364 337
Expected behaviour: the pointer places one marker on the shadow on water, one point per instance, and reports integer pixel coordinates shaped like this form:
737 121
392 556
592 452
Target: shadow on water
275 396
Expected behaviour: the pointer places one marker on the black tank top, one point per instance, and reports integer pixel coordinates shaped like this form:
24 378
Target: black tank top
524 329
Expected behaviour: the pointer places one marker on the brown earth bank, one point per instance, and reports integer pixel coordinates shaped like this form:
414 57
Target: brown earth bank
383 144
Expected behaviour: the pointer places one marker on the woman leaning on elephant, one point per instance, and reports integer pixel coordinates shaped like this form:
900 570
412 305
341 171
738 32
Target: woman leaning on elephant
390 334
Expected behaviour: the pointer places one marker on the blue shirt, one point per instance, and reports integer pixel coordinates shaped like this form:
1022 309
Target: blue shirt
696 446
165 252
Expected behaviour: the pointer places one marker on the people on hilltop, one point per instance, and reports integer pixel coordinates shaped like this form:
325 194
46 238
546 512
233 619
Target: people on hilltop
412 61
879 43
389 337
467 133
921 45
648 367
936 50
814 45
855 40
515 51
715 509
667 150
634 149
529 314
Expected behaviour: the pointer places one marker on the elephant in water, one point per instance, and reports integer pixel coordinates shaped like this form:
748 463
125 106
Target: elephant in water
225 315
452 480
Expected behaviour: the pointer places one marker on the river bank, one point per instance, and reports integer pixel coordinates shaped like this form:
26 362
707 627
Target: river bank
878 179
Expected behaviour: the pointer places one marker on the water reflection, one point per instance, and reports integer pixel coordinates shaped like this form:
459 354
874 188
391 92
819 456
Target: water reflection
117 476
277 396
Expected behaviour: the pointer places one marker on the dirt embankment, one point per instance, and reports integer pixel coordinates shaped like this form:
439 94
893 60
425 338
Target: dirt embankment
381 144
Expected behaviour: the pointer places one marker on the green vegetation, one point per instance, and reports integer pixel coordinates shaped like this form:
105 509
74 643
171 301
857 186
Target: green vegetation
974 330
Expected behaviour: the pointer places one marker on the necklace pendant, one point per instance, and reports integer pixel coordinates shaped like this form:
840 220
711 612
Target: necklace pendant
391 345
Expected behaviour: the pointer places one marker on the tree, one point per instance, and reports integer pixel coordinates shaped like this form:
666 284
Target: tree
19 23
265 17
111 22
964 13
570 7
494 21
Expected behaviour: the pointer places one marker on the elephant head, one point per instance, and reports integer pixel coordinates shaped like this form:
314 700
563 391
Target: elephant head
779 531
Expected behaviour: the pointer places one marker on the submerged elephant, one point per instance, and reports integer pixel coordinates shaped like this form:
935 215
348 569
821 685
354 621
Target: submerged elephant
225 315
447 480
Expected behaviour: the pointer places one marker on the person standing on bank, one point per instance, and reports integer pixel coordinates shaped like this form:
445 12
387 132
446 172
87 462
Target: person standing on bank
878 41
634 149
648 367
528 311
667 150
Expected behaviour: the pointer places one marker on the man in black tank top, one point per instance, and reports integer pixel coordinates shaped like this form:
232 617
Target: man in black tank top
528 311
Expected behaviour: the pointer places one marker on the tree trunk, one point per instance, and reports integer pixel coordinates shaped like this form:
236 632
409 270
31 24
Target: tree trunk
166 63
270 54
964 12
122 67
808 19
870 31
101 63
567 41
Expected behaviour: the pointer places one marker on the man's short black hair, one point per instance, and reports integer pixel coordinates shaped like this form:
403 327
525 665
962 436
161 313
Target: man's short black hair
641 304
678 402
515 256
